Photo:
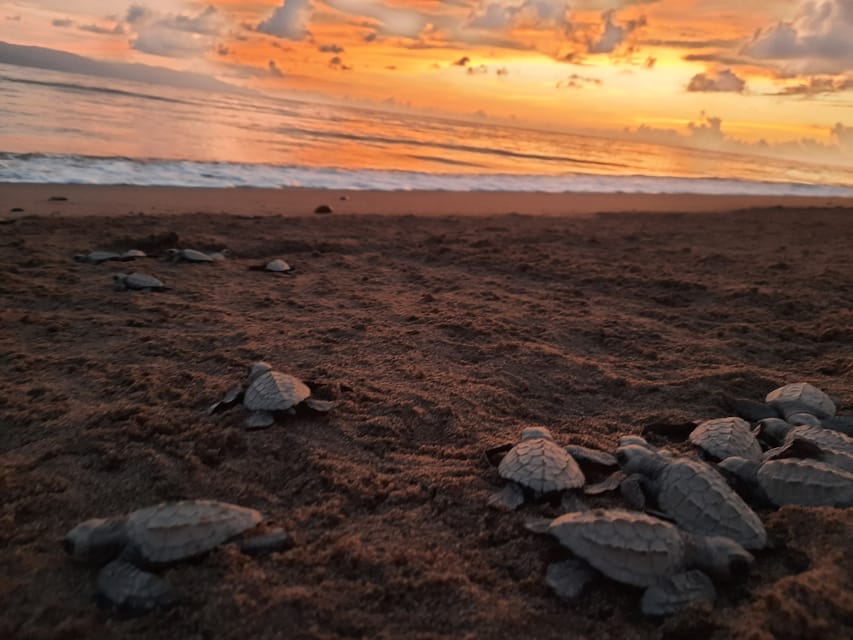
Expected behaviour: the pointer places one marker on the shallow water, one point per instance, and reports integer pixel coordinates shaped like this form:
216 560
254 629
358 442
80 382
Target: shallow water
117 132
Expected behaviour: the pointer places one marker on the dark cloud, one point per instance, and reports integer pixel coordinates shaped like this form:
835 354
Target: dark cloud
613 34
577 81
818 85
289 21
725 80
337 63
62 23
711 43
818 40
330 48
115 30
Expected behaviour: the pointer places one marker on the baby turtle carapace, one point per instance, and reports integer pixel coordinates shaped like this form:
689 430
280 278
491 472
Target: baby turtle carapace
801 397
268 392
637 549
723 438
153 537
187 255
536 466
276 266
138 281
694 495
793 481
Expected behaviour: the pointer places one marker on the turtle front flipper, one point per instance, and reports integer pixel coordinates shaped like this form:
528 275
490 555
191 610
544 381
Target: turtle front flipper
229 399
510 498
610 483
569 578
259 420
571 503
675 593
131 591
632 491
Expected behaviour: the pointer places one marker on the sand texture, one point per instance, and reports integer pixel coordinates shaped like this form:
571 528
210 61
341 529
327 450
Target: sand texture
438 337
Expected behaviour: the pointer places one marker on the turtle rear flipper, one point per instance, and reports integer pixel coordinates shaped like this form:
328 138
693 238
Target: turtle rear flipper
569 578
510 498
274 541
130 591
321 406
259 420
675 593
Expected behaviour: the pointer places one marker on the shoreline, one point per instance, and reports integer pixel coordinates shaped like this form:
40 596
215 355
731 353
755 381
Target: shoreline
99 200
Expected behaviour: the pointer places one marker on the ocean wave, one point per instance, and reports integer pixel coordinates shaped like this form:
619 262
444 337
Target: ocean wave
74 169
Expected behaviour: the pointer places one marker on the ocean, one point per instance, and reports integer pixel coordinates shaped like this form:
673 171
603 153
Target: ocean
60 127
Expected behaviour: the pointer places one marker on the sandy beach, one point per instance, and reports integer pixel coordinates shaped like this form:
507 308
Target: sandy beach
439 328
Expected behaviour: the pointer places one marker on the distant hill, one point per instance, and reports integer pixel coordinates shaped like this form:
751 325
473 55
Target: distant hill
56 60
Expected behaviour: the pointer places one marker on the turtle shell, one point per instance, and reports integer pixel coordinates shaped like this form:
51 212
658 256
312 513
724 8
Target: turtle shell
801 397
275 391
96 257
700 501
723 438
826 438
541 465
142 281
806 482
175 531
278 265
626 546
191 255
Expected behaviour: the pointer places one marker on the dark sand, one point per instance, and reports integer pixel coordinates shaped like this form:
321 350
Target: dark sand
439 337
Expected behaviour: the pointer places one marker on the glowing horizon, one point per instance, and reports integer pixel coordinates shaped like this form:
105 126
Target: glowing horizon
761 78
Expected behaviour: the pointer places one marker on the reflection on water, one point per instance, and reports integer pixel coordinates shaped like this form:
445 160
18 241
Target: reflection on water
60 113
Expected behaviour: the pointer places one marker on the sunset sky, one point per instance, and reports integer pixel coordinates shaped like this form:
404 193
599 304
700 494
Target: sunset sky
773 70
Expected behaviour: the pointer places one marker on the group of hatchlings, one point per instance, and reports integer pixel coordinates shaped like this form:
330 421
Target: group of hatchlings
690 521
144 282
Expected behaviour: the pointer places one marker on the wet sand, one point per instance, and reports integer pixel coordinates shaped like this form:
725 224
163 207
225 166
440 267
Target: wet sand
438 336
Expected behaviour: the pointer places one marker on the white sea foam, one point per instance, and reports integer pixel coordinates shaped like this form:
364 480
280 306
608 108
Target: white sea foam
67 169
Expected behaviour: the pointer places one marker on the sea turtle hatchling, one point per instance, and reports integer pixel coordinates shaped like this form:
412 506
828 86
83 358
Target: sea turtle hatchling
780 432
640 550
138 281
801 397
793 481
535 467
187 255
275 266
158 536
726 437
97 257
268 392
694 495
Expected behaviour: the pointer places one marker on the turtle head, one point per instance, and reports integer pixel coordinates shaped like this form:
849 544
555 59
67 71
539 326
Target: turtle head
722 557
529 433
173 254
773 429
639 441
257 369
634 458
96 540
803 418
118 281
740 468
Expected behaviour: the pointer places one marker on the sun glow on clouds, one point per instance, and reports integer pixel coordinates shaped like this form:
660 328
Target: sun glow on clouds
769 70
